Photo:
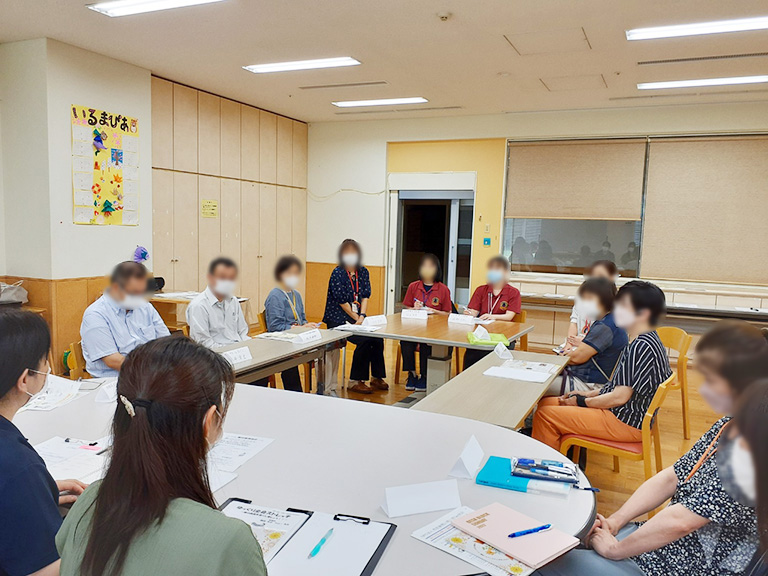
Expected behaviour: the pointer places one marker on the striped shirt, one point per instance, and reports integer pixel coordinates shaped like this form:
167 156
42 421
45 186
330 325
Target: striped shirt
643 366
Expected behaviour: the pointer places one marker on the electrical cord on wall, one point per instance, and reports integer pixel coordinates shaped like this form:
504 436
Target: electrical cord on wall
326 197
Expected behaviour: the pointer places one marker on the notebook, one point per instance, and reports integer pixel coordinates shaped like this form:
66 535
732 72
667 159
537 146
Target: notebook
494 523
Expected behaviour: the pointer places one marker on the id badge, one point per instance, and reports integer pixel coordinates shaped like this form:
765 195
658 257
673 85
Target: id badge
354 307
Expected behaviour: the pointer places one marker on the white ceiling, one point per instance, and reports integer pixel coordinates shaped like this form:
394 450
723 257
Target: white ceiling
491 56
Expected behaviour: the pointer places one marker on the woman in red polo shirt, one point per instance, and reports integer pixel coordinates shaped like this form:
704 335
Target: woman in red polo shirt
427 292
496 300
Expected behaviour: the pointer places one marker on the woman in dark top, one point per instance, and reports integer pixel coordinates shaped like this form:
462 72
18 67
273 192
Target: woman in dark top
349 290
29 506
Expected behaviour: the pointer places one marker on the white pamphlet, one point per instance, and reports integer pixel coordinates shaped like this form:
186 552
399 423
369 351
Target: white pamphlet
234 450
420 498
60 391
469 461
71 458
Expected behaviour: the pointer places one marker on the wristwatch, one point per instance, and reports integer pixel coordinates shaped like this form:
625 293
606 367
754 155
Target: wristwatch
363 314
581 401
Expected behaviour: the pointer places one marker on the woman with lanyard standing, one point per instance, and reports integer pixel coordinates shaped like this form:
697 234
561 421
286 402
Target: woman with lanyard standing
496 300
284 309
349 290
704 530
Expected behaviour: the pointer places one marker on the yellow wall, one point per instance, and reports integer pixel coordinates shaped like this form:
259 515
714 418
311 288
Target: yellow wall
485 157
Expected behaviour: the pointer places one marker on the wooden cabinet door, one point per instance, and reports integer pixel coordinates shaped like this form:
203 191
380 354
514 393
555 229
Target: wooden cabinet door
209 133
184 128
284 151
284 222
185 235
229 209
162 226
162 124
299 226
209 228
250 246
300 157
268 147
250 138
267 239
230 138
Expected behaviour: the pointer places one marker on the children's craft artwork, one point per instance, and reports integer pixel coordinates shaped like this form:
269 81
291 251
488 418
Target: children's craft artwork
105 167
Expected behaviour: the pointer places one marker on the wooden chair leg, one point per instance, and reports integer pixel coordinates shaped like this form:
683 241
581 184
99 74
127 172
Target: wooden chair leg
647 464
616 464
344 367
576 454
686 419
272 381
398 365
524 343
308 377
657 448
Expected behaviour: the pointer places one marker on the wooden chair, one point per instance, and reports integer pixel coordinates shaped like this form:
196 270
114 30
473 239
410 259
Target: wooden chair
630 450
680 341
76 362
521 317
262 316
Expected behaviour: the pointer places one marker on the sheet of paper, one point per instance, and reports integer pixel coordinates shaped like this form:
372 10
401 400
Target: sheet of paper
516 374
308 336
545 367
357 328
442 535
234 450
413 314
176 295
461 319
377 320
238 355
60 391
107 393
280 336
219 478
469 461
421 498
71 458
483 322
271 528
502 351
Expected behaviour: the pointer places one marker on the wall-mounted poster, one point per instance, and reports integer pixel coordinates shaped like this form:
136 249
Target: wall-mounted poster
105 167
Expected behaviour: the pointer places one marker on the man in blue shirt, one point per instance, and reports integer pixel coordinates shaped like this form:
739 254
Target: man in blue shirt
119 321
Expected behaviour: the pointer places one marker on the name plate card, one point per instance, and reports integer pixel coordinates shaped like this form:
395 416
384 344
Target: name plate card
413 314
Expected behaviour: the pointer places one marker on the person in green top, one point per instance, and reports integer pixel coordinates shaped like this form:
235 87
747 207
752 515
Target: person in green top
154 512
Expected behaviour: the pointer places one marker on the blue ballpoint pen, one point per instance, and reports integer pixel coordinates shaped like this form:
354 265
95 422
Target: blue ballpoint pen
319 545
530 531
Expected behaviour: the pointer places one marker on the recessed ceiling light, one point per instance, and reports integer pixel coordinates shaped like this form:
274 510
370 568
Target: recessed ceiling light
719 27
114 8
302 65
702 82
380 102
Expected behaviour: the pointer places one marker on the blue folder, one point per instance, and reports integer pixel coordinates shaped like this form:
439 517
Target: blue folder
497 473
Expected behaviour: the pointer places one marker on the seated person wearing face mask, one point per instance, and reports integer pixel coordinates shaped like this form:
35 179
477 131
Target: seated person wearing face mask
215 317
615 411
709 527
496 300
284 309
579 325
593 360
119 321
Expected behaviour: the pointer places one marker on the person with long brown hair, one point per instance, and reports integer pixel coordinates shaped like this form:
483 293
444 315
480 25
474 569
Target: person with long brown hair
154 512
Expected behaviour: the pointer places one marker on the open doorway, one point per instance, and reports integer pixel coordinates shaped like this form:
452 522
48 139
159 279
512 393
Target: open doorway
425 230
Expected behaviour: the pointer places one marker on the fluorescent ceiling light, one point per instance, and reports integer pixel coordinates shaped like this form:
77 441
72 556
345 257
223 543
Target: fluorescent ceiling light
381 102
719 27
114 8
703 82
302 65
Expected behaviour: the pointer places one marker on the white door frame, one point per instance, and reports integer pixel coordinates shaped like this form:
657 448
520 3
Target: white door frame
421 181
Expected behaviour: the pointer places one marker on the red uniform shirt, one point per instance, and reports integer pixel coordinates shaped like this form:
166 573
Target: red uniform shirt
507 299
438 297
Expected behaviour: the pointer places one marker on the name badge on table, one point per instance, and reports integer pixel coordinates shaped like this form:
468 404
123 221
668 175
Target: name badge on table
308 336
242 354
461 319
378 320
414 314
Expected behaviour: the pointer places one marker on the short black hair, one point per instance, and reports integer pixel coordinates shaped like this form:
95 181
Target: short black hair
604 289
607 264
645 296
500 261
286 263
354 244
429 257
126 271
221 261
740 352
24 342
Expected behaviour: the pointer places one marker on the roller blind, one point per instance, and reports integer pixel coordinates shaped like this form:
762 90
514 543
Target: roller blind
706 213
579 179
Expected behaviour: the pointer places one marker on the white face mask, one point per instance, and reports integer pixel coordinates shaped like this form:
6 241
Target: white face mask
225 288
623 317
131 302
720 403
43 390
291 281
350 259
589 309
745 473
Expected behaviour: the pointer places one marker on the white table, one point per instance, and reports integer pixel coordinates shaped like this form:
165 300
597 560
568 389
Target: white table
338 456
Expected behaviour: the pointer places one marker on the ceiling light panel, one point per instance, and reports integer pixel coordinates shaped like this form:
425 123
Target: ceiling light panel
380 102
697 29
706 82
115 8
316 64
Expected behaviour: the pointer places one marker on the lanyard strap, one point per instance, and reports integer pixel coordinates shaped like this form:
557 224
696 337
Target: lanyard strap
491 303
292 304
426 292
355 286
708 453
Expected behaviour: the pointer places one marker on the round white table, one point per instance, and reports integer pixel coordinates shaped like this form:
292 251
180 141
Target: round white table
338 456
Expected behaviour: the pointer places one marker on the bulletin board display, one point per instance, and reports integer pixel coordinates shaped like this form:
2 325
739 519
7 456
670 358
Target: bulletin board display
105 167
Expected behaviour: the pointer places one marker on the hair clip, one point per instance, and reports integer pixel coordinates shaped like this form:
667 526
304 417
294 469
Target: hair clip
128 406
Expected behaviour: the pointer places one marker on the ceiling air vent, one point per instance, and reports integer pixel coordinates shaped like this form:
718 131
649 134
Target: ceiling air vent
346 85
703 58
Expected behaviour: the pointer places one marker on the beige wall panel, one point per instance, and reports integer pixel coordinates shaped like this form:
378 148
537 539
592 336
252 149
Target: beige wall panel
249 142
185 235
284 151
698 299
230 138
544 324
209 188
162 226
300 157
740 301
267 239
162 123
267 147
537 288
249 257
209 133
229 210
567 289
184 128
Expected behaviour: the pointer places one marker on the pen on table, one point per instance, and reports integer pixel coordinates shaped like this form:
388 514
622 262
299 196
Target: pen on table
551 474
530 531
587 488
319 545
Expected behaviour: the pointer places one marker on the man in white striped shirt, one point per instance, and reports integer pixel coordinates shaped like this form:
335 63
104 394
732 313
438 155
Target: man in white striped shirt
616 411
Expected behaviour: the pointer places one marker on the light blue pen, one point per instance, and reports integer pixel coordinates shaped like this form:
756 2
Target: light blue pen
319 545
530 531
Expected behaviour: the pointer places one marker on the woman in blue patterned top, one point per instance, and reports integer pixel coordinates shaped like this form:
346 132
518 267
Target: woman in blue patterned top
349 290
705 530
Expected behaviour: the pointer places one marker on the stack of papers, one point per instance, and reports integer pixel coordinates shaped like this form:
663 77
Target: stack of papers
189 295
71 458
60 391
523 370
357 328
282 336
271 528
229 453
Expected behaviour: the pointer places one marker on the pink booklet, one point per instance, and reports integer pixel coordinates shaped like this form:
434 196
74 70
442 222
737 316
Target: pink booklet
493 525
